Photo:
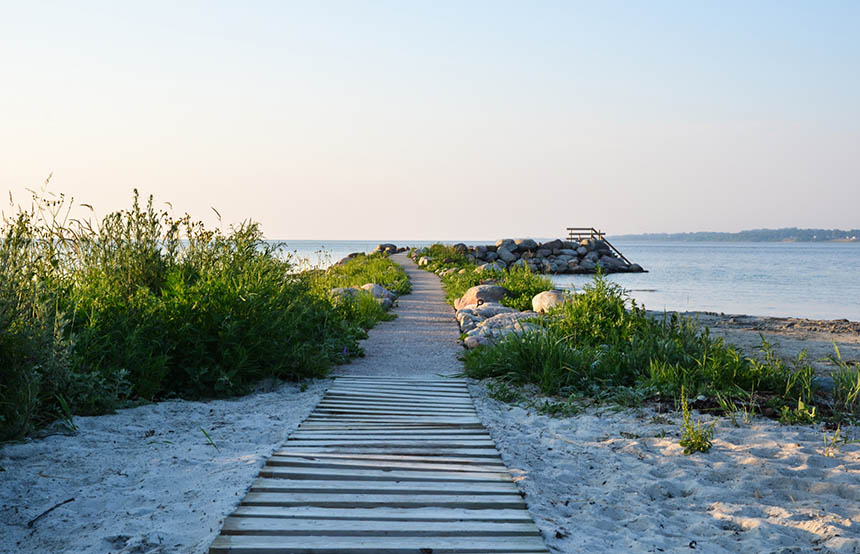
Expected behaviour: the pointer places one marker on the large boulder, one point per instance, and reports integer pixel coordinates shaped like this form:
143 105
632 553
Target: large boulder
524 245
506 255
484 293
553 245
460 248
548 299
500 325
423 260
386 248
377 291
509 244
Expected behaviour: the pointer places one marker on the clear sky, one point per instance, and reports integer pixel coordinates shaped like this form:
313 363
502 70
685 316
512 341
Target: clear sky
441 119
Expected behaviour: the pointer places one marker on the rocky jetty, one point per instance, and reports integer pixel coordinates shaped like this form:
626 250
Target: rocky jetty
555 256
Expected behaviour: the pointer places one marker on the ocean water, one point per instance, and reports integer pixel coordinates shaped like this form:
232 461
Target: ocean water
812 280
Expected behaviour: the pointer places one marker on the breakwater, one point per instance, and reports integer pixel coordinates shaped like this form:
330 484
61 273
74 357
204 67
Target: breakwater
555 257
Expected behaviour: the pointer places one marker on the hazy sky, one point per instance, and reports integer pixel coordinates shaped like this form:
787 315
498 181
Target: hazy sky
448 120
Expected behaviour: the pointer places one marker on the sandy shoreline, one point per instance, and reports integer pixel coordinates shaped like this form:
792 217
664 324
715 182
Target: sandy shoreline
789 335
146 480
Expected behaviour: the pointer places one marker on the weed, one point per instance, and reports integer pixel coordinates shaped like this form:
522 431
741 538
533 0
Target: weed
694 437
209 440
846 384
802 414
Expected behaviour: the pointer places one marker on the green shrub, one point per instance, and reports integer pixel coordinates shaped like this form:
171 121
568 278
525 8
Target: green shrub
601 345
140 306
694 437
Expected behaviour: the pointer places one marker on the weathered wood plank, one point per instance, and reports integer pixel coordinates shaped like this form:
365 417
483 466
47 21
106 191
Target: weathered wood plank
325 410
385 514
388 436
407 392
273 526
395 443
335 500
390 405
428 452
244 544
388 474
299 454
366 487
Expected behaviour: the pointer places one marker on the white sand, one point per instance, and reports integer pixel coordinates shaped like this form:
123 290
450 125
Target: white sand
144 480
762 488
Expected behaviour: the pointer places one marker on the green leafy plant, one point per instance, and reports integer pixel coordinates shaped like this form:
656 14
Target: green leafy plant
695 437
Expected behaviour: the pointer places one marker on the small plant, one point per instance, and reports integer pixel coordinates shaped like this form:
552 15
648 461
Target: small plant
65 414
803 414
209 440
694 437
846 384
504 392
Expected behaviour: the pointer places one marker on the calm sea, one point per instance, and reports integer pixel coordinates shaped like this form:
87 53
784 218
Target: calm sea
813 280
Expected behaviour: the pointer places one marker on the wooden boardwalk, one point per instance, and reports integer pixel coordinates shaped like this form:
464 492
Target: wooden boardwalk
385 465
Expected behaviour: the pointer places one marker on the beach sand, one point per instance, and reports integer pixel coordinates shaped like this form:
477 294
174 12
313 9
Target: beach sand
147 480
617 481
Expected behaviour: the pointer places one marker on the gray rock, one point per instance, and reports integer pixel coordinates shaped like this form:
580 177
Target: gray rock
587 264
491 256
553 244
525 244
582 251
543 252
423 260
509 244
460 248
474 341
386 247
377 291
635 268
568 252
506 255
484 293
548 299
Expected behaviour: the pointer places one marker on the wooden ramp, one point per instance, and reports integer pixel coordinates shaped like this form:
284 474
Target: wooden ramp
389 466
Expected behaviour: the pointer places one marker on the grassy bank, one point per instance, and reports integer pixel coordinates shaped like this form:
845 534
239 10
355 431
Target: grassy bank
600 346
448 262
142 306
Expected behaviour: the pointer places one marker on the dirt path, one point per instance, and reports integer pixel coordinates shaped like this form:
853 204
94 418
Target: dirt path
421 342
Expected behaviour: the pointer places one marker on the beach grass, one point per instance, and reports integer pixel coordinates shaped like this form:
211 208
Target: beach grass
141 306
600 345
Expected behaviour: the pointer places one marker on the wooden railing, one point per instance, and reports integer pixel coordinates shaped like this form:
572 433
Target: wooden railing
579 233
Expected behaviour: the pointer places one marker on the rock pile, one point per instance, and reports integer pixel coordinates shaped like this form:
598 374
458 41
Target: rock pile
382 295
555 256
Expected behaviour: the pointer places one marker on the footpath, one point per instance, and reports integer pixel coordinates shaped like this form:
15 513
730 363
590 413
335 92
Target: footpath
393 459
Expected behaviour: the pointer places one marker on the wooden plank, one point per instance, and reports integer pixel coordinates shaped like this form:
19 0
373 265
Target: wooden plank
449 475
429 452
273 526
387 436
299 454
367 487
414 385
244 544
395 443
388 405
369 418
409 393
463 399
321 410
335 500
385 514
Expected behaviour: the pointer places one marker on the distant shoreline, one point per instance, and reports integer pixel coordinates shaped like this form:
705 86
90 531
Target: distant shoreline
789 235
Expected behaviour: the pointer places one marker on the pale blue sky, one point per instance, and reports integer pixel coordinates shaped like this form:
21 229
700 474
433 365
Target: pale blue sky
451 120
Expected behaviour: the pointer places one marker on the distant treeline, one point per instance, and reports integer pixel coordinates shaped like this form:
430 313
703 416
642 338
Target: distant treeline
788 234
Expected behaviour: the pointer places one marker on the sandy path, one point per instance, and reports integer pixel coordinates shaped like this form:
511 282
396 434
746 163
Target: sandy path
421 342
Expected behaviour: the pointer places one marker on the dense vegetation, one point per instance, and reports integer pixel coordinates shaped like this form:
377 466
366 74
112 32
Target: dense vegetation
788 234
600 345
142 306
522 284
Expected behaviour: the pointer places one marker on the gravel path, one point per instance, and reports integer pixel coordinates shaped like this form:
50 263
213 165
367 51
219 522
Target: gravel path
421 342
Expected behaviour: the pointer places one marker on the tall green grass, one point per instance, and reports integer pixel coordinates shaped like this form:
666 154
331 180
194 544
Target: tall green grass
141 306
601 342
